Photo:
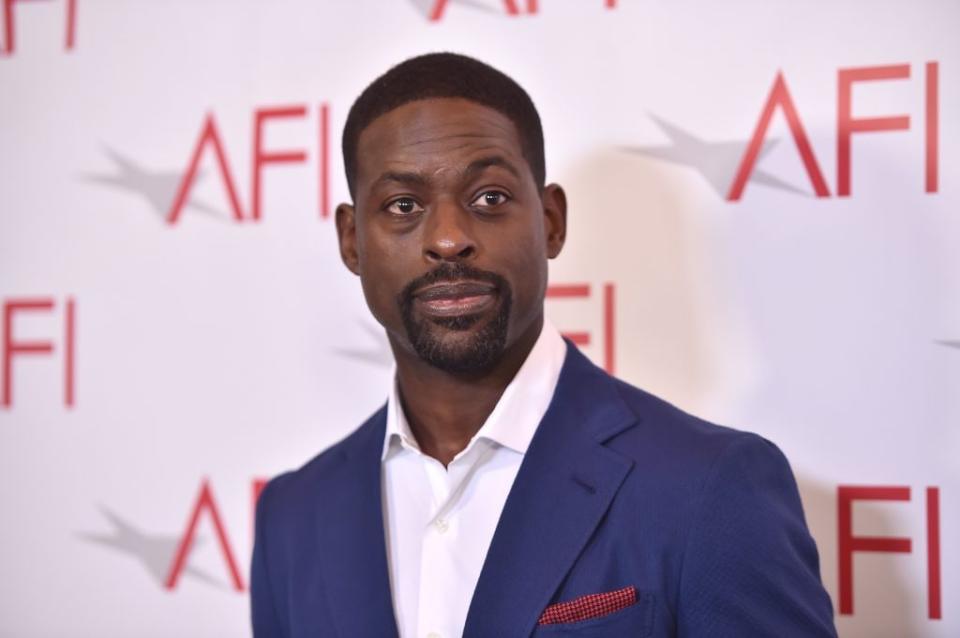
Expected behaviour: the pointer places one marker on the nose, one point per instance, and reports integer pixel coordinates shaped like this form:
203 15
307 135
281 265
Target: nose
448 234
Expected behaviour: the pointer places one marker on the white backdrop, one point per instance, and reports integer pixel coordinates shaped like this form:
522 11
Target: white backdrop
150 350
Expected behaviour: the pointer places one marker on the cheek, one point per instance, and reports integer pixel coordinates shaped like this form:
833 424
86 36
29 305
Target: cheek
383 271
521 254
382 246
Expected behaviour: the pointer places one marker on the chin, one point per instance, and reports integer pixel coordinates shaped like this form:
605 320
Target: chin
461 344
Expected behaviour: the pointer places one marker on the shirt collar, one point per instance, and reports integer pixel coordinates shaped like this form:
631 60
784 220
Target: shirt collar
518 412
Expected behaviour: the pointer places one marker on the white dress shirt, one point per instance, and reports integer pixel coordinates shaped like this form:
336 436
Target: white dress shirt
439 521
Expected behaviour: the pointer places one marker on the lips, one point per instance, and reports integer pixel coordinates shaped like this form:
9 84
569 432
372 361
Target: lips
453 299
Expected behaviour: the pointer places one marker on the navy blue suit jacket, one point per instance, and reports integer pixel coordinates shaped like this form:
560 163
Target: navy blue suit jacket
617 489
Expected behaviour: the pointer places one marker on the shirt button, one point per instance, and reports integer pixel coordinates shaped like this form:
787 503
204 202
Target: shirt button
442 526
433 634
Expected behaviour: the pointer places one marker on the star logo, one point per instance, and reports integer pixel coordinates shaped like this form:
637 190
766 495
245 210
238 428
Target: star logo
158 188
154 552
717 162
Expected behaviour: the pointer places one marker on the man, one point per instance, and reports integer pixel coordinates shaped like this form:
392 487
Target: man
509 487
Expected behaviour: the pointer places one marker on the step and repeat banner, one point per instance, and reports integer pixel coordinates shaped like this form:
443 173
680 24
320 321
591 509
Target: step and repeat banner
764 230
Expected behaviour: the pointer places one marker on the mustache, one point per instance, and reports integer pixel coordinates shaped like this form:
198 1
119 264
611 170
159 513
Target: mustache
450 273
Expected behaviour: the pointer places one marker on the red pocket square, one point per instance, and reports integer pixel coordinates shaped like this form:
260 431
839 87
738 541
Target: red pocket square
589 606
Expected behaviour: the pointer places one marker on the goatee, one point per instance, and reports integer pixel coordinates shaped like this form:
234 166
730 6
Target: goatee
476 352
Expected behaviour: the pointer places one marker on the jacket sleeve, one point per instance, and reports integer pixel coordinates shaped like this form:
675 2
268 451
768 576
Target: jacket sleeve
263 609
750 566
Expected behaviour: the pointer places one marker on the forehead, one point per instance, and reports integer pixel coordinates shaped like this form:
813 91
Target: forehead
433 134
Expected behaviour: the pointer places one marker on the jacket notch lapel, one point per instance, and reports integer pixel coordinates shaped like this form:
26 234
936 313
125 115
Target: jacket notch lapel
566 484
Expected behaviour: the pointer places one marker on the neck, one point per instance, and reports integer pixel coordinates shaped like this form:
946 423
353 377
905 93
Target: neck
444 409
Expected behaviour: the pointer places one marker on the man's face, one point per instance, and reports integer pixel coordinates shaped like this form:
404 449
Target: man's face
449 232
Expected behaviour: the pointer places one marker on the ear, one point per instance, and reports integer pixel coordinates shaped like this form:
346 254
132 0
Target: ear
347 236
554 218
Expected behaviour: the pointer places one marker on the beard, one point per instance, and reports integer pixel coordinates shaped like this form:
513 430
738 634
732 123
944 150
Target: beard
436 340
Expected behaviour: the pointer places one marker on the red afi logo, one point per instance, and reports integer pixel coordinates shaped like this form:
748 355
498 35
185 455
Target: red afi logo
210 138
847 125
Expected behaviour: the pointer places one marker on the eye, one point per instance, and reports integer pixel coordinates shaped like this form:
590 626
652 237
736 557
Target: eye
403 206
489 199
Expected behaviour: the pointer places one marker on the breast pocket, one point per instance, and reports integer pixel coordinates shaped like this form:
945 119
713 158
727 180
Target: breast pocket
637 620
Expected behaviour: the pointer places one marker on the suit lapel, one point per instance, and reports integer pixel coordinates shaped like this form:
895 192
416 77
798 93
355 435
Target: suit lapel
354 561
565 485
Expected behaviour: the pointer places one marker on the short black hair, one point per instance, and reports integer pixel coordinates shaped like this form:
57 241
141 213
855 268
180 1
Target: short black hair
446 75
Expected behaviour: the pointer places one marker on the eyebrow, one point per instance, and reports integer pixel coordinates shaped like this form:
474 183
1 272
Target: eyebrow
478 166
474 168
415 179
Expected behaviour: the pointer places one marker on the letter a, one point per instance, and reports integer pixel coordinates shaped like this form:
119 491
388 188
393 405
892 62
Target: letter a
779 96
207 135
204 502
